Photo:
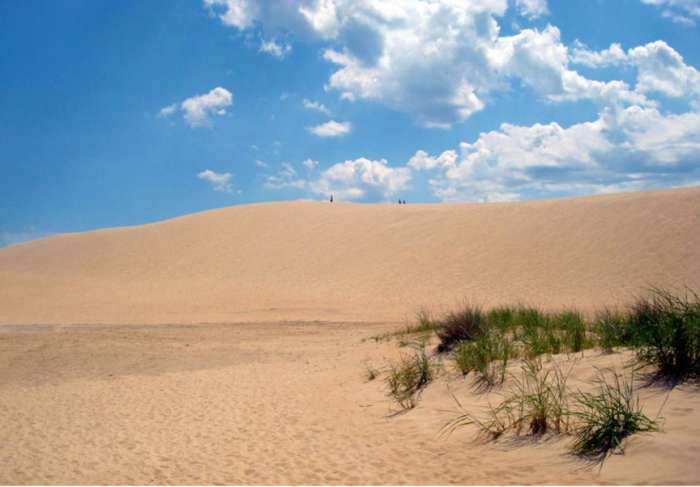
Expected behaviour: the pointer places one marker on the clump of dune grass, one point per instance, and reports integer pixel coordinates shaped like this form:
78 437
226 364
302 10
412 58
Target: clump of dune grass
487 356
502 317
534 330
667 333
605 418
537 403
467 323
573 330
611 330
408 377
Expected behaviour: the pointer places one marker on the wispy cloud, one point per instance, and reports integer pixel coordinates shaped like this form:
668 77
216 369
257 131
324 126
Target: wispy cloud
276 49
314 105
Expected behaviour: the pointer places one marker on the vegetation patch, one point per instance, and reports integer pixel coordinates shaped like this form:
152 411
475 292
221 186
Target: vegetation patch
487 356
537 403
607 417
666 331
467 323
408 377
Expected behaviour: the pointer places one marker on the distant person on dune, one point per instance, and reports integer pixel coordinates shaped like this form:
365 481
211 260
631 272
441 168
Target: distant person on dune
331 198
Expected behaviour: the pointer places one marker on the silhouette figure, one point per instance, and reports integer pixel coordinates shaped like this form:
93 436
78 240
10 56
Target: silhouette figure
331 198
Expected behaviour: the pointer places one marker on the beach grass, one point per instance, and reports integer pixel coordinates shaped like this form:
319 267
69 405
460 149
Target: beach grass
608 416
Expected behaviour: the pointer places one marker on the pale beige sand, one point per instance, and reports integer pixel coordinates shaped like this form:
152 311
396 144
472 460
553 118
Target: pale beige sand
309 261
138 392
277 403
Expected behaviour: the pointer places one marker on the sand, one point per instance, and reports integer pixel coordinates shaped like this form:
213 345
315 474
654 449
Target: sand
279 403
352 262
230 346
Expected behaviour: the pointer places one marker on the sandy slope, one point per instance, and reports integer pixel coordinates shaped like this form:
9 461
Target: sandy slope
279 403
308 261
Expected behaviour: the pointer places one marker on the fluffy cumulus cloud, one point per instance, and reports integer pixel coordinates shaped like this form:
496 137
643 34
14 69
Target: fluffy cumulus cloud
199 110
685 12
331 129
362 180
441 61
627 148
353 180
660 68
220 182
437 60
540 61
631 145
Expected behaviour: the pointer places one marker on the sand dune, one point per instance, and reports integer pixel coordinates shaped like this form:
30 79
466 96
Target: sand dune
317 261
263 403
111 376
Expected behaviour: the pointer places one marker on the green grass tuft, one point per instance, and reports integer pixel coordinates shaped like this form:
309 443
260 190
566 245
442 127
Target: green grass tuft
488 356
607 417
611 330
667 333
537 403
408 377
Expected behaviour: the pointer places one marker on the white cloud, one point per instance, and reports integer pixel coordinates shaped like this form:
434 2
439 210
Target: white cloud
361 179
678 18
679 11
440 61
315 105
332 129
422 57
540 61
532 8
219 182
276 49
310 164
285 178
614 55
660 68
631 148
237 13
355 180
167 110
260 163
422 160
198 110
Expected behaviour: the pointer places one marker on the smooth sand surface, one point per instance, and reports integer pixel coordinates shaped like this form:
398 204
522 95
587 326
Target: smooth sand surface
280 403
187 351
351 262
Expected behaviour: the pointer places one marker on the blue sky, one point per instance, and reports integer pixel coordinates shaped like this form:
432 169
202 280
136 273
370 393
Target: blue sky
125 112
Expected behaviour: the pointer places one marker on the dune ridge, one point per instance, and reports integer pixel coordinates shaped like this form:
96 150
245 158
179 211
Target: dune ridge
356 262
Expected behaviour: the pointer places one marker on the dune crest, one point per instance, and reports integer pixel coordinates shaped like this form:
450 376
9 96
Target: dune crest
320 261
